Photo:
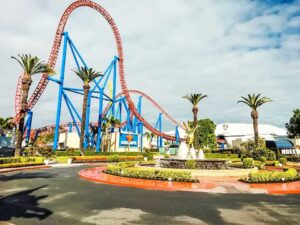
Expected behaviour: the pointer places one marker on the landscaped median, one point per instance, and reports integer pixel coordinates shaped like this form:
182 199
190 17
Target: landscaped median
20 162
273 176
129 170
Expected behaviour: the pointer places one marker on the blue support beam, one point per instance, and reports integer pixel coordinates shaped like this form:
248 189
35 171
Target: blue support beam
60 92
99 133
28 125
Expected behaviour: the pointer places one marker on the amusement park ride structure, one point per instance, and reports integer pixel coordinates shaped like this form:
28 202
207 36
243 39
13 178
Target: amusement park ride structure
116 104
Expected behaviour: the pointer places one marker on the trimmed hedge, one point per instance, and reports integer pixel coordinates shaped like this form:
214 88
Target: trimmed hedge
11 160
13 165
126 170
270 177
220 156
99 158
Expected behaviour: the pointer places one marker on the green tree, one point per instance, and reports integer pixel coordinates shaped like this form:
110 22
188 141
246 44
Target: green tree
86 75
6 124
254 101
112 124
293 126
149 136
205 135
31 65
195 99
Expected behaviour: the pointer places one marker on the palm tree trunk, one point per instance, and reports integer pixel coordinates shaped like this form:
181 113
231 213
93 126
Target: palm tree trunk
83 119
254 115
26 82
195 112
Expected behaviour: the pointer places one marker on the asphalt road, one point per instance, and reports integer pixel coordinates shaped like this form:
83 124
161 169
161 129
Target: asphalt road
59 196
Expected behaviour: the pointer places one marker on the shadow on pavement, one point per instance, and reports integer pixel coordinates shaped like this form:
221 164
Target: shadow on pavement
23 205
26 176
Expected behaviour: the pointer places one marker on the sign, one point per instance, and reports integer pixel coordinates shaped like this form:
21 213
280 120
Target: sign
290 151
124 139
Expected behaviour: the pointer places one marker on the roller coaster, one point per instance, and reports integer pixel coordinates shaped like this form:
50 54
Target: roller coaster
116 104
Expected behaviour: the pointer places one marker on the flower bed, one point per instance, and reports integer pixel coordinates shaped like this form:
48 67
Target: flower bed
112 158
273 177
128 170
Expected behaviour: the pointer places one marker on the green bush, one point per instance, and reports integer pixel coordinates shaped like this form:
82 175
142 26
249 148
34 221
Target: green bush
113 158
267 153
263 159
268 177
190 164
293 158
13 165
149 173
166 156
220 156
11 160
283 161
68 152
248 162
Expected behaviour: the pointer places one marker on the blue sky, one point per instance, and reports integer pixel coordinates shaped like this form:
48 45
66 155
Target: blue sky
222 48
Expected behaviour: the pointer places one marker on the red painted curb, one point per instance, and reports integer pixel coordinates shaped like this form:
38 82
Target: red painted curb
209 183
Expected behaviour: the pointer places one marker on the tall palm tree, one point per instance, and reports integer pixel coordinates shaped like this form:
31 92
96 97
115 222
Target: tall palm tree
254 101
31 65
112 123
195 99
149 137
86 75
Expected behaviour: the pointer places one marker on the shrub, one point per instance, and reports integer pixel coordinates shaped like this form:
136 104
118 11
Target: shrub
267 177
45 151
190 164
68 152
248 162
21 160
267 153
166 156
263 159
220 156
283 161
149 173
103 158
13 165
293 158
113 158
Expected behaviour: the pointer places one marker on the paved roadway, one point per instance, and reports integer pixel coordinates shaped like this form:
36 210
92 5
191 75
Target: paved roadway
59 196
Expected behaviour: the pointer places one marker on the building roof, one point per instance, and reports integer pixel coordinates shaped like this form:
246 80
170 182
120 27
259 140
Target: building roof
244 129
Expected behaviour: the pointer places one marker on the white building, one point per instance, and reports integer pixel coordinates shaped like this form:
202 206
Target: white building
235 133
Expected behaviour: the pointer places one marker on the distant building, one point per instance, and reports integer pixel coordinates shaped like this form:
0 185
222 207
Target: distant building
236 133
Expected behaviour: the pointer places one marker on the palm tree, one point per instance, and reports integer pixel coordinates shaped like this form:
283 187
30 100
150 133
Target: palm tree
31 65
86 75
254 101
149 137
195 99
112 123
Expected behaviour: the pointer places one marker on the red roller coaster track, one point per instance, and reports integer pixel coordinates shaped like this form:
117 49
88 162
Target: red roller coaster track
53 58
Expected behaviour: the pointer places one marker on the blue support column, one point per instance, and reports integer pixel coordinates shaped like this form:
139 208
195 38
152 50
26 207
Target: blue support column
160 130
61 85
140 124
87 123
99 133
70 127
28 125
177 135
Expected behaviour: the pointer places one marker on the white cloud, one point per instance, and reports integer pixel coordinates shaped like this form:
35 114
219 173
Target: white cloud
223 48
